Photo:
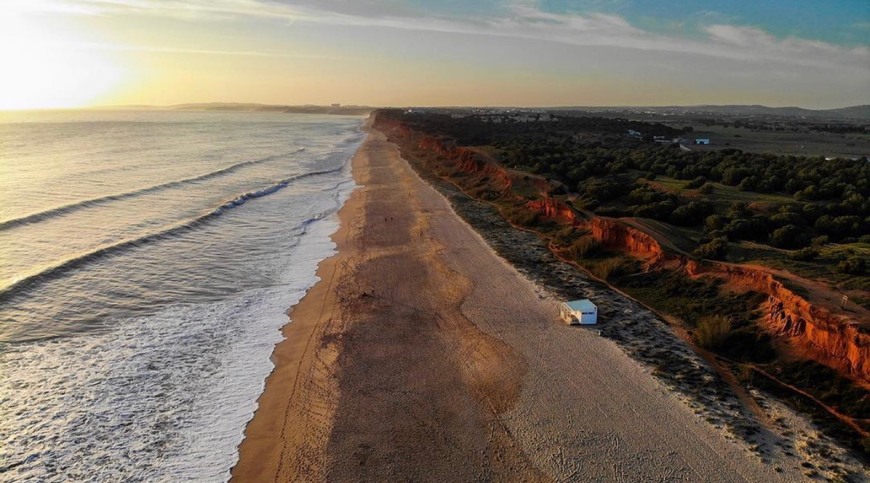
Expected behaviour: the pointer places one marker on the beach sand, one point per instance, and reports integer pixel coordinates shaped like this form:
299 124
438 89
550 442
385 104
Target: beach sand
423 356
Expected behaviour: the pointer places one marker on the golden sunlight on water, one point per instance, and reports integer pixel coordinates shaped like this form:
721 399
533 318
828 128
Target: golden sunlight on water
49 67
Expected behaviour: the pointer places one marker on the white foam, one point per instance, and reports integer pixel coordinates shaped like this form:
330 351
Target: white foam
159 398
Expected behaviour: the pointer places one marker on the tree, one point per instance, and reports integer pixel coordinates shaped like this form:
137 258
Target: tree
748 184
715 222
691 214
733 176
841 226
697 182
716 249
787 218
810 193
787 236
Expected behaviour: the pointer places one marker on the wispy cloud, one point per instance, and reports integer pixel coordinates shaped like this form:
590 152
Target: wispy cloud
526 21
182 51
520 20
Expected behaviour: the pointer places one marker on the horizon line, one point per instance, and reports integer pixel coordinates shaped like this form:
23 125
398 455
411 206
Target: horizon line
424 106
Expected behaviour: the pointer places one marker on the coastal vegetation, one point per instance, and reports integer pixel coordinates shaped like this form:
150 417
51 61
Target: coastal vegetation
805 221
792 208
783 201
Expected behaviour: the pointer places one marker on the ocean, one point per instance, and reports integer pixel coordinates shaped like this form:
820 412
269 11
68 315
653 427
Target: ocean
147 262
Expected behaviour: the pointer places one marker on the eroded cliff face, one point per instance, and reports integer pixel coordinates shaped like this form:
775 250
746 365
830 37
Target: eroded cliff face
831 340
555 210
617 236
467 161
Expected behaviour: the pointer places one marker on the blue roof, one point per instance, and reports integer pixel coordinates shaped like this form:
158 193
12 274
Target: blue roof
581 305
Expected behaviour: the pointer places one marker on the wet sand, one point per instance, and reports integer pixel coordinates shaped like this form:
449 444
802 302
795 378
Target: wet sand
423 356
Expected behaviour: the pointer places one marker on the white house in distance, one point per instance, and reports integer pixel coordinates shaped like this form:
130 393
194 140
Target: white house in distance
582 312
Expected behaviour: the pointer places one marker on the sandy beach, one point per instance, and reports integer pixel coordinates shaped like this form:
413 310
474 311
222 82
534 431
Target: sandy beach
421 355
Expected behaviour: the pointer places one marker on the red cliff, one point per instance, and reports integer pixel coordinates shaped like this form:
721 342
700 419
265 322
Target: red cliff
553 209
617 236
833 340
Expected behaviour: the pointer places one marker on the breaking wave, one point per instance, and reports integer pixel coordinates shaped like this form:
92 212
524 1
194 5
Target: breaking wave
80 205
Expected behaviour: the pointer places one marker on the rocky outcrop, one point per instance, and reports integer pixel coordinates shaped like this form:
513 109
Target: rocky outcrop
834 341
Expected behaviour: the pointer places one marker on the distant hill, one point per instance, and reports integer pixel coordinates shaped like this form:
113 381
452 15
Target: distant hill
306 109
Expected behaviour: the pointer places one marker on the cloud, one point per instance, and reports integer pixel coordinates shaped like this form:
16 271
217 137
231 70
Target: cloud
523 19
170 50
739 36
753 38
757 43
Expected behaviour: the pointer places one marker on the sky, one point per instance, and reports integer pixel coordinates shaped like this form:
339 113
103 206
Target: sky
79 53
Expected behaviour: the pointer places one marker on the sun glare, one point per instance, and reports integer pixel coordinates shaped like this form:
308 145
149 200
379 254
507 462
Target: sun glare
45 68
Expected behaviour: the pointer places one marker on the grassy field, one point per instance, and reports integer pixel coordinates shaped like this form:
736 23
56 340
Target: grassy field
823 268
721 193
783 142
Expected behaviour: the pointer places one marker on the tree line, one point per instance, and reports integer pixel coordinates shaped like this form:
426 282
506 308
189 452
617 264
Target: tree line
609 172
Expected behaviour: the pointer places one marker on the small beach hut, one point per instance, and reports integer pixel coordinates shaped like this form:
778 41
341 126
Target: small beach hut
582 312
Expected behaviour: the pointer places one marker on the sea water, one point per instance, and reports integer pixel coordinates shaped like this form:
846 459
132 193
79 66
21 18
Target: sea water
147 261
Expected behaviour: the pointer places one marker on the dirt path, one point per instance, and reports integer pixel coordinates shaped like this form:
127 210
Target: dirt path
423 356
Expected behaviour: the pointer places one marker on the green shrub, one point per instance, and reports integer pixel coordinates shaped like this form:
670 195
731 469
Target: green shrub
748 344
584 247
789 236
715 222
716 249
566 236
805 254
611 268
696 183
820 241
706 188
712 331
853 265
744 373
521 216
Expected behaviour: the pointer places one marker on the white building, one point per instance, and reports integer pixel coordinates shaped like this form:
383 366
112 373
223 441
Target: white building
582 312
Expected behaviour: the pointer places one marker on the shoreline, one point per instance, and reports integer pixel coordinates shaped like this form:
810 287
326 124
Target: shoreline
421 354
275 424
